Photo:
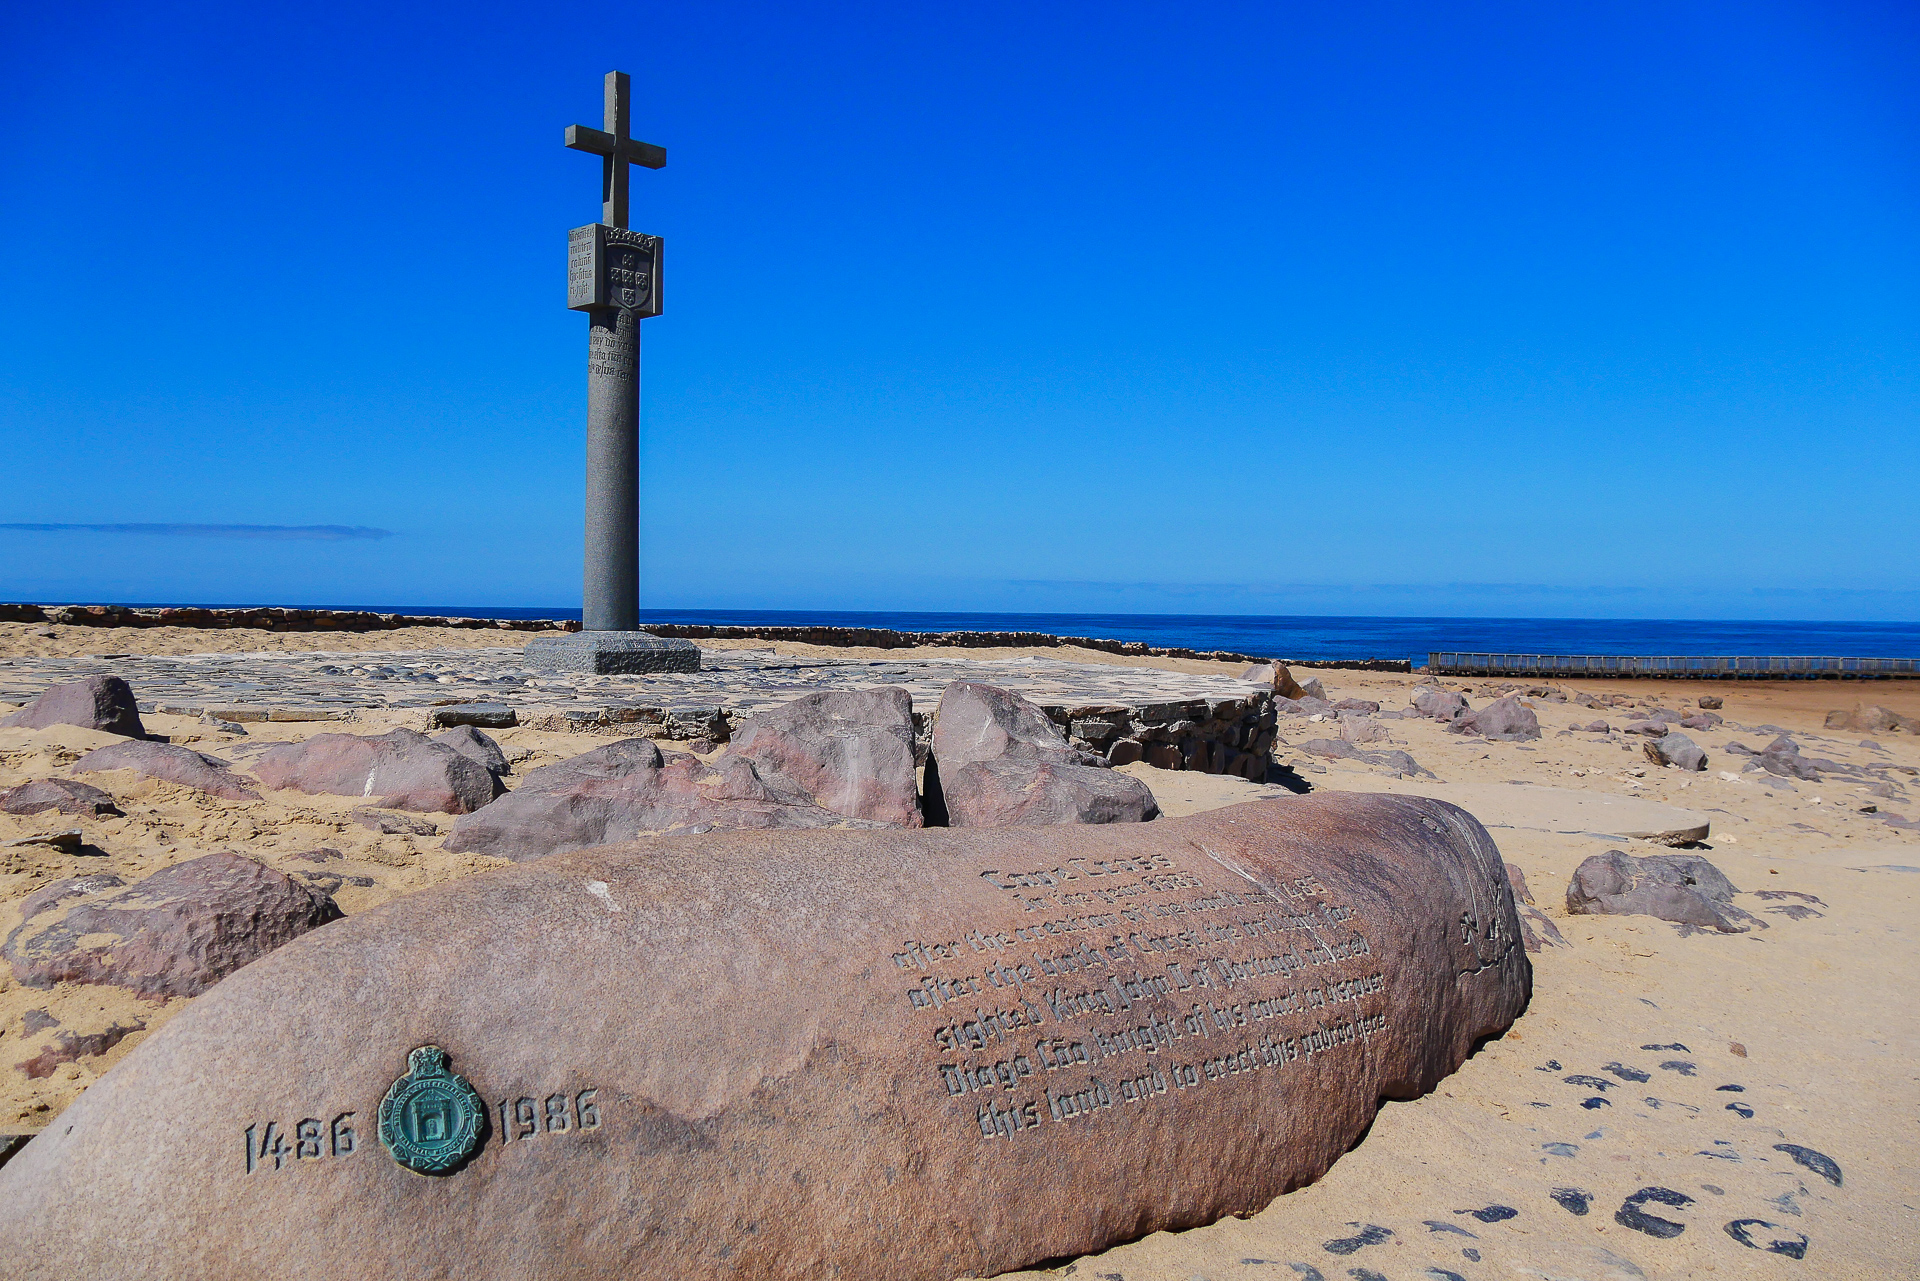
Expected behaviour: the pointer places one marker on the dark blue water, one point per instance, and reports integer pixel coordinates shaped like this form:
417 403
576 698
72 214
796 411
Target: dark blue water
1310 637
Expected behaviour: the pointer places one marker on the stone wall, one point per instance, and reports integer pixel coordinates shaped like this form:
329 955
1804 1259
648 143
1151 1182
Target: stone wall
264 618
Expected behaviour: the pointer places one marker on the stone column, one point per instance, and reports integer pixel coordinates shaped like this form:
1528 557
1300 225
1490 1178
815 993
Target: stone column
612 580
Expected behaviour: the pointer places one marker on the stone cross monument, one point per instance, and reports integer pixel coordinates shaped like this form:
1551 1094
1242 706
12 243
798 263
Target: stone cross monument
613 274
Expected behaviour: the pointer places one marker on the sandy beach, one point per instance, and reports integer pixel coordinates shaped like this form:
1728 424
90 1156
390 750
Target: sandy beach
1697 1064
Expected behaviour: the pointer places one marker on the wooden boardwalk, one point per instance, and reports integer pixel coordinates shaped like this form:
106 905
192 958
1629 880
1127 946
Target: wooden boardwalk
1674 667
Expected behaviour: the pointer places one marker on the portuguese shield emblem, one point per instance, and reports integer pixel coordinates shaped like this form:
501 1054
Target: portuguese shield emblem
430 1119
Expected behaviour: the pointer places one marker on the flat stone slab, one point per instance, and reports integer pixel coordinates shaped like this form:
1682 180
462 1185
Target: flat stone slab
604 653
899 1055
1567 810
251 687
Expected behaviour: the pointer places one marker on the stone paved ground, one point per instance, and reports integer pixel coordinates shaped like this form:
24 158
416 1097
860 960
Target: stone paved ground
739 680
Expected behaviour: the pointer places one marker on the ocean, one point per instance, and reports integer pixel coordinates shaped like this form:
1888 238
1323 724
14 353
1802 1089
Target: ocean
1303 637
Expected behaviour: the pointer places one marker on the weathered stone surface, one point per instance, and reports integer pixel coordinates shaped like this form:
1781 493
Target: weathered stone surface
851 752
175 933
1683 888
1711 702
781 1055
1537 930
401 770
1651 729
997 761
171 763
1677 750
1782 757
1357 728
630 789
62 794
476 747
102 703
1506 720
70 1047
393 824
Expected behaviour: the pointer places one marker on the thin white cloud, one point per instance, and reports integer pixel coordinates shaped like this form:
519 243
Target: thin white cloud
321 533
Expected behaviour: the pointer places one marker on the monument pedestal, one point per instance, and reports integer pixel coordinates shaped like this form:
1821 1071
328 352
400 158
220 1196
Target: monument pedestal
612 653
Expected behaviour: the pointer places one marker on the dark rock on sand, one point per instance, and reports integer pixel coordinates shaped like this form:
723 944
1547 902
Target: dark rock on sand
102 703
175 933
1683 888
1505 720
478 748
62 794
171 763
1819 1162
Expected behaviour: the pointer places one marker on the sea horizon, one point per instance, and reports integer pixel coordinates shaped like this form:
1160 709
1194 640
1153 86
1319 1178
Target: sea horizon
1301 637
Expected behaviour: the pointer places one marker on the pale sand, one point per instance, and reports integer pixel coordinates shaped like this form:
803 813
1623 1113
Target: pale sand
1822 1005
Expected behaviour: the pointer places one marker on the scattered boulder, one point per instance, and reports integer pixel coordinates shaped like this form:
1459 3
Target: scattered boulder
173 764
402 770
102 703
1652 729
1595 727
62 794
849 751
659 1141
1439 704
1705 720
1365 706
1782 757
1711 702
175 933
1361 729
1339 749
1313 689
1683 888
1873 720
998 761
1505 720
631 789
1675 749
222 727
1275 676
478 748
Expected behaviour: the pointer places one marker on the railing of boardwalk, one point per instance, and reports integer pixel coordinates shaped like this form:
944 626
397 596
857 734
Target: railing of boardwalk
1750 667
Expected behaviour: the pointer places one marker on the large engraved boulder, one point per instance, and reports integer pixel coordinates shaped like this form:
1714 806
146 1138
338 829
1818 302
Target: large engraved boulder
629 789
849 751
890 1055
176 933
997 761
402 770
102 703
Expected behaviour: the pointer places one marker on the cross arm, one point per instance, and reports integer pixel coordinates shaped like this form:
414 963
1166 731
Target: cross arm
582 138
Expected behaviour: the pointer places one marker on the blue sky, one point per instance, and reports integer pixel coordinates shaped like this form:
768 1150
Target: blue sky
1603 310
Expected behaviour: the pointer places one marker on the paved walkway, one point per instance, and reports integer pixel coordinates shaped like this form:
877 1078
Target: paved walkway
309 685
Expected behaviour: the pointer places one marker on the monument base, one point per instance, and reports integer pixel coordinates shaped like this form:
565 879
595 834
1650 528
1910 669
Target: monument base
609 653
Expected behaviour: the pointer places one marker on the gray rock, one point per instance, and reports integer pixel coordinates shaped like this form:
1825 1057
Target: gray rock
1439 704
102 703
478 748
172 763
849 752
1595 727
998 761
1361 729
1683 888
483 715
1675 749
1711 703
1312 688
1651 729
1506 720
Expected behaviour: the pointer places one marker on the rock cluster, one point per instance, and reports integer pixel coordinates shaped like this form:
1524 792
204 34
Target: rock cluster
1873 720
